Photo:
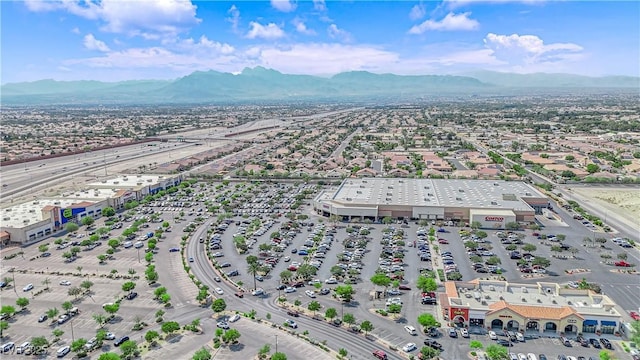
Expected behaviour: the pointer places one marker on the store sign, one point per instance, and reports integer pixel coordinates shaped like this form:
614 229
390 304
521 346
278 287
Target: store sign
572 321
505 316
493 218
455 312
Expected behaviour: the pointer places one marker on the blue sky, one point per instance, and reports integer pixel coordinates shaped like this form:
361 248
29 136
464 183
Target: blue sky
113 40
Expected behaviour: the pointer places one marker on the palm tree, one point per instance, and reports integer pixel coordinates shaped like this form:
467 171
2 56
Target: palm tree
46 283
253 268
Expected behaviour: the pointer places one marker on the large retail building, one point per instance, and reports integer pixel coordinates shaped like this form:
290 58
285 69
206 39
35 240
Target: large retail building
36 220
539 308
492 203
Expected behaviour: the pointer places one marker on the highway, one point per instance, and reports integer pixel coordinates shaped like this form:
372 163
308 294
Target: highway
357 345
21 178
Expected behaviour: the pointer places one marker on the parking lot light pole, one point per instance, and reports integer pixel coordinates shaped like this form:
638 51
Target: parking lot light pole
276 342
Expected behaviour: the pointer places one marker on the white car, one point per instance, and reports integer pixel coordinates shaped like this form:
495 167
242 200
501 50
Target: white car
257 292
409 347
411 330
63 351
493 335
289 289
464 332
110 336
27 287
234 318
218 291
65 282
310 293
223 325
331 281
532 356
287 258
292 323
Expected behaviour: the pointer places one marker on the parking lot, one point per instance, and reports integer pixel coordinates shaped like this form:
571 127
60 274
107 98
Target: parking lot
275 223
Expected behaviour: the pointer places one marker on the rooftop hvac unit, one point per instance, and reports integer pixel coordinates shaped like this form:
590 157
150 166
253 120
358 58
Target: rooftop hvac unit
116 182
496 184
139 176
364 181
25 221
6 218
125 178
149 180
524 289
362 186
426 187
460 190
8 210
492 288
56 203
459 199
104 181
527 194
32 210
494 203
35 203
358 192
349 199
138 183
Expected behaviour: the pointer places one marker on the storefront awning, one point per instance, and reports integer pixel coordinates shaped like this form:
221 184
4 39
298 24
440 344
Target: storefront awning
608 323
590 322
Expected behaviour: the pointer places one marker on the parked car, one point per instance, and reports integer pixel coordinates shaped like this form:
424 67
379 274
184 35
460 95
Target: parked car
622 263
493 335
291 323
634 315
433 344
411 330
120 341
409 347
222 325
606 343
27 287
131 295
594 342
43 318
63 351
453 333
379 354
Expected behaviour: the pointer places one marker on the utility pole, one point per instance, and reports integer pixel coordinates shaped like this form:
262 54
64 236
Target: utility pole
276 342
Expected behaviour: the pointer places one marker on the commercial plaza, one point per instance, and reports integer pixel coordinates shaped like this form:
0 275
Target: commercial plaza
36 220
540 308
493 203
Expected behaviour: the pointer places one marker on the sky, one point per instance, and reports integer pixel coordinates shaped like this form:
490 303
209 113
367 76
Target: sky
115 40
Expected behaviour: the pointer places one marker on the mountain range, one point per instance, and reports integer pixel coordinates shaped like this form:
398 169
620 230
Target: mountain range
260 84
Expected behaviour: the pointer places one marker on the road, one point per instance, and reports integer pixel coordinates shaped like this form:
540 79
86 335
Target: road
23 178
336 337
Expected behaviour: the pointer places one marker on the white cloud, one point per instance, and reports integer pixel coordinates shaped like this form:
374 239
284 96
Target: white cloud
283 5
319 5
91 43
301 27
146 18
454 4
336 33
417 12
451 22
234 17
529 50
270 31
75 30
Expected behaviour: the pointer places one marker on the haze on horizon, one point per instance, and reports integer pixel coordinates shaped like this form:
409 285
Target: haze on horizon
111 40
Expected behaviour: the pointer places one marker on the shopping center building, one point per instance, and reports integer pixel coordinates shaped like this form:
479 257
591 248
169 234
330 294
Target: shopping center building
39 219
540 308
492 203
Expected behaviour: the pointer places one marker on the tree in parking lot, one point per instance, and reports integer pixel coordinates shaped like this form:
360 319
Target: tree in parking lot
497 352
112 309
102 258
429 353
74 291
57 333
314 306
108 211
394 308
426 284
622 256
306 271
253 268
87 221
336 271
285 276
43 248
159 291
218 305
202 354
349 319
540 261
113 243
345 292
71 227
331 313
231 336
86 285
78 346
278 356
165 298
471 245
529 247
39 342
635 332
428 320
52 313
4 325
366 326
605 355
109 356
128 286
129 349
100 319
481 234
475 345
170 327
67 306
23 302
512 225
151 336
493 260
380 279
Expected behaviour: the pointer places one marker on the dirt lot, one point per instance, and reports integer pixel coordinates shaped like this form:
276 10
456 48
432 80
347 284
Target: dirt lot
623 202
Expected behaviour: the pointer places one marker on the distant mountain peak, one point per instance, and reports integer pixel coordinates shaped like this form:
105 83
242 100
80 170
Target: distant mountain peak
259 70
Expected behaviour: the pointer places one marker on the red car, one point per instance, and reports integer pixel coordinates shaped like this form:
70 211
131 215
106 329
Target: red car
622 263
634 315
404 287
443 241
